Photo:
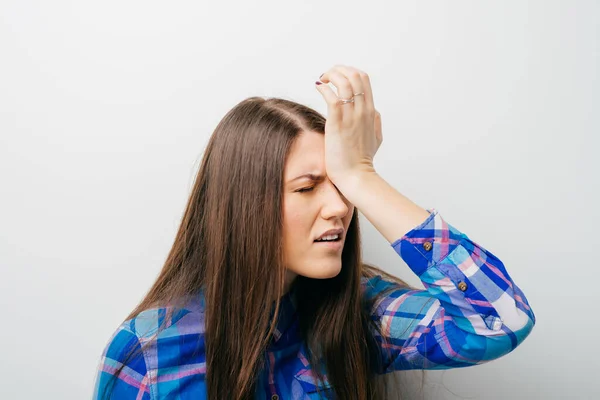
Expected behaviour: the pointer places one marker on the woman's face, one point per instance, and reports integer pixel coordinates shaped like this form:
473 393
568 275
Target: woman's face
307 215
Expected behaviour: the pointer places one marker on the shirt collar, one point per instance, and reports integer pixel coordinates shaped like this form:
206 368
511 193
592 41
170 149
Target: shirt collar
286 316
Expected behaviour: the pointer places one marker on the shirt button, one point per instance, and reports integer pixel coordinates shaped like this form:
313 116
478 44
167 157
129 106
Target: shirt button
462 286
274 397
427 246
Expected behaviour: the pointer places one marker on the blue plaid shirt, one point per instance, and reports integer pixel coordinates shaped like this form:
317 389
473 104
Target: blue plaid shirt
470 312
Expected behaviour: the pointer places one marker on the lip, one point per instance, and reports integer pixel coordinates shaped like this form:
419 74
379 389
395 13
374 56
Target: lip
337 231
336 246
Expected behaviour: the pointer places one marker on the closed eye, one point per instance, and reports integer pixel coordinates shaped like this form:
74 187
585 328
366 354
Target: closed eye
305 189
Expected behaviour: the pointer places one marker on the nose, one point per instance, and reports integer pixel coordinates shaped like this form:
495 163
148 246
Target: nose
334 203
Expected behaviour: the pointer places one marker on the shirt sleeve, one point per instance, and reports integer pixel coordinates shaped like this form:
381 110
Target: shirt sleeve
470 312
132 381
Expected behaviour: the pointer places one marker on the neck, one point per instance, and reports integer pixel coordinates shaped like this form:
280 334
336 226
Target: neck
289 279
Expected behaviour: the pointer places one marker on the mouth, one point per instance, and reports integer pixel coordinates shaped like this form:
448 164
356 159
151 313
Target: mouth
336 244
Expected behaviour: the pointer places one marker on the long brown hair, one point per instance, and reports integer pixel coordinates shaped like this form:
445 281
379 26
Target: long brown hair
229 244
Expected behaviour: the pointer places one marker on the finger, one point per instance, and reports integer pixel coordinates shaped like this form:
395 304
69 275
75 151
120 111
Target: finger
344 90
341 83
356 81
367 88
334 112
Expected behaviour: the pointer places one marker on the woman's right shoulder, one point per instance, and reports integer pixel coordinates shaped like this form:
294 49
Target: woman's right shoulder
186 317
161 322
138 342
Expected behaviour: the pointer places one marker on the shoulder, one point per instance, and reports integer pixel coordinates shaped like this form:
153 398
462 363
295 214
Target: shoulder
167 321
162 322
394 301
376 285
124 346
155 324
151 325
122 368
153 339
370 283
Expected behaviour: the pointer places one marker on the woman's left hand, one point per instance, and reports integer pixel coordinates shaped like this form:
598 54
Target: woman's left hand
353 130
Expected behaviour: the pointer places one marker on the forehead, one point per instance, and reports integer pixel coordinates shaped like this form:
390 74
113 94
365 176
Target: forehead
306 155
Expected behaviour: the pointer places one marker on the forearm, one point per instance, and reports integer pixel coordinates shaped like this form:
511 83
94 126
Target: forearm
471 308
392 214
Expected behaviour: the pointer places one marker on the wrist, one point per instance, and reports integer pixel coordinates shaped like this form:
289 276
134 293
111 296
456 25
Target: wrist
352 184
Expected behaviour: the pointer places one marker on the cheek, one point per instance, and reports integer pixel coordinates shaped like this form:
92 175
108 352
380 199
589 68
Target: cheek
294 242
295 223
297 227
297 217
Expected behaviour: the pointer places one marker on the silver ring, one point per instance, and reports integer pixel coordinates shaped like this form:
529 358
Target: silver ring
351 100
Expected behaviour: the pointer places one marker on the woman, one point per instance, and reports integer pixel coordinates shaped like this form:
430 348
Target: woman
264 293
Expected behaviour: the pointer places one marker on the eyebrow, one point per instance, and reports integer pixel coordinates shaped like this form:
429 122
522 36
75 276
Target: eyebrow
312 177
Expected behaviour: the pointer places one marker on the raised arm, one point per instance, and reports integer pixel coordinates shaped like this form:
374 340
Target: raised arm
471 311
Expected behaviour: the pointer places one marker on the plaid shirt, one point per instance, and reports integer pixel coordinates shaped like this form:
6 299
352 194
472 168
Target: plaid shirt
471 312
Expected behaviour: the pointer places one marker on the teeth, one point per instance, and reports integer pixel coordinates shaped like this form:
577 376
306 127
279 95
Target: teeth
329 237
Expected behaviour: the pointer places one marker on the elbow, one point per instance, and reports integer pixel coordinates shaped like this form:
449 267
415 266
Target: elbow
513 336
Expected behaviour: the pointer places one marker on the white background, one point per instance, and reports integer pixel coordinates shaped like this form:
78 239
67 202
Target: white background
490 114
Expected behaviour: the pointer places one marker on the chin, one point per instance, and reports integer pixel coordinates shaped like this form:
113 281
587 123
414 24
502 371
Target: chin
323 273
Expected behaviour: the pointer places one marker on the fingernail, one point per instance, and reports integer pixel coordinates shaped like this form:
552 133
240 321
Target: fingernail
318 83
